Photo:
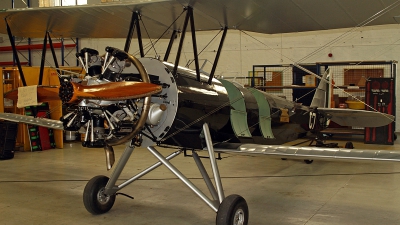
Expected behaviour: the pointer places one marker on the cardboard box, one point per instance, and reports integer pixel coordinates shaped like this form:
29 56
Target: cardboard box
309 80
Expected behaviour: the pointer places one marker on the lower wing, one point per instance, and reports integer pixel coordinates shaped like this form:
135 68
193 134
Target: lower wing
44 122
311 152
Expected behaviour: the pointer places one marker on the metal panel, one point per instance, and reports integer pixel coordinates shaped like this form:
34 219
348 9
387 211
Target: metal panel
238 110
264 113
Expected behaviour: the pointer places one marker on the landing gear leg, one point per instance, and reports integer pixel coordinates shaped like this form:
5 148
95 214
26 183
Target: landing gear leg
100 191
232 210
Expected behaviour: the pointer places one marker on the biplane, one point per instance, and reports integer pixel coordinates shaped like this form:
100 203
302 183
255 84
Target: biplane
150 102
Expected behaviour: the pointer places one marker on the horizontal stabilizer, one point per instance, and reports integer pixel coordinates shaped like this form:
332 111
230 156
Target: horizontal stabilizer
357 118
43 122
314 152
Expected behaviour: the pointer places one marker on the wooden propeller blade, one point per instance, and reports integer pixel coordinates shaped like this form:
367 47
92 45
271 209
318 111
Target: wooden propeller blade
44 94
71 92
111 91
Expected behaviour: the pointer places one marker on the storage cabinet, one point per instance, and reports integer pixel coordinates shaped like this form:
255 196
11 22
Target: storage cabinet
10 80
380 94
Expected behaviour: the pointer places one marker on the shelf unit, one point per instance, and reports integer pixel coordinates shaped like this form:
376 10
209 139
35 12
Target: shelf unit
30 47
10 81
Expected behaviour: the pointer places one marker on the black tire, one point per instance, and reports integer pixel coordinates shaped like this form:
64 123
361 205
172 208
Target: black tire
94 199
308 161
349 145
233 211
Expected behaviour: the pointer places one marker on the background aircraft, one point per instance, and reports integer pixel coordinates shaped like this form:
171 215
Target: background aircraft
164 104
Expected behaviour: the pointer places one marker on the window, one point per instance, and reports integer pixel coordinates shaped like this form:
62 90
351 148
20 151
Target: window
73 2
50 3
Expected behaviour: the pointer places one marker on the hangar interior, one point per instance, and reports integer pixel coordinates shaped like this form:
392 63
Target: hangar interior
42 183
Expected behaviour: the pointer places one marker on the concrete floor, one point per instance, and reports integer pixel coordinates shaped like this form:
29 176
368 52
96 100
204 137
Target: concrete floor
46 188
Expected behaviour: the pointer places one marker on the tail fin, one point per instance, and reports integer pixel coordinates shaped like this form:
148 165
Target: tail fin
320 96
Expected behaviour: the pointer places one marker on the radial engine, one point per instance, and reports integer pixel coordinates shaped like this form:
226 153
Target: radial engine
116 120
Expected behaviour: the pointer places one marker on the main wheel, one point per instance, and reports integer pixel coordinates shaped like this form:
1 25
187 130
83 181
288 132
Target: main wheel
94 199
308 161
233 211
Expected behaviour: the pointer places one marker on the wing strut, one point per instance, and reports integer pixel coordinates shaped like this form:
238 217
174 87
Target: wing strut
192 28
139 36
29 53
53 52
171 41
130 33
44 50
217 56
178 54
134 23
43 58
12 42
189 15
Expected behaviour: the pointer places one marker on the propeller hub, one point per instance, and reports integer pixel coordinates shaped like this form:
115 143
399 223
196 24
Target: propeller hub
66 91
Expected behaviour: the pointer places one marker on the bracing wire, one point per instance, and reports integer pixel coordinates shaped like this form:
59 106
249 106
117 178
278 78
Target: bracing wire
330 43
335 40
151 42
191 61
352 30
148 45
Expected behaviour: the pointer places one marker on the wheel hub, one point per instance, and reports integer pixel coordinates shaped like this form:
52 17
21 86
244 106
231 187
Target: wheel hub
101 197
239 217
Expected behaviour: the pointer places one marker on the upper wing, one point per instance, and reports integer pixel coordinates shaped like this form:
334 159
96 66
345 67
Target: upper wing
263 16
90 21
358 118
284 16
